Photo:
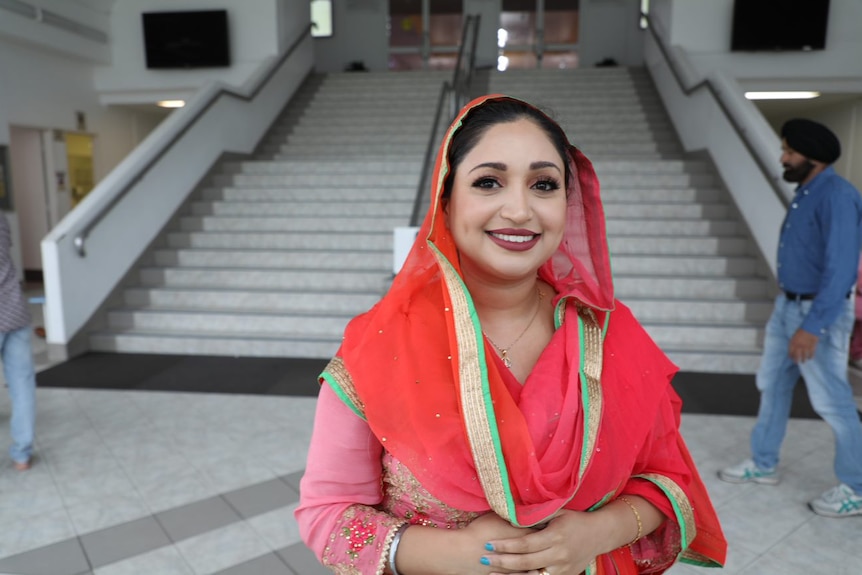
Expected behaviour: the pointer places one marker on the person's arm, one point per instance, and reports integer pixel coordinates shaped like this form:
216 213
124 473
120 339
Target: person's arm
340 519
341 488
839 218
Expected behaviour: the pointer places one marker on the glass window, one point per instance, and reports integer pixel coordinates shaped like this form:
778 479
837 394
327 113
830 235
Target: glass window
321 18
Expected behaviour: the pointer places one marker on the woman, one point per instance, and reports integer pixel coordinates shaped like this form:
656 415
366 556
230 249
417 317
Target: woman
498 411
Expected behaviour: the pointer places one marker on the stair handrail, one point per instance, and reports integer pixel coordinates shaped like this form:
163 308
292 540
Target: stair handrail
464 67
139 166
763 163
456 93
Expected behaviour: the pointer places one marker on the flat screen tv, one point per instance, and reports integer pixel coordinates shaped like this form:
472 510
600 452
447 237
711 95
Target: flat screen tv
760 25
197 39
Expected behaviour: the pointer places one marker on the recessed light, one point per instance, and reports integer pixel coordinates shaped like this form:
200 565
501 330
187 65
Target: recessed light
781 95
171 103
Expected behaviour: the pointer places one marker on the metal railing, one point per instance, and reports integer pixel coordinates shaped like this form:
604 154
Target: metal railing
139 171
762 162
456 93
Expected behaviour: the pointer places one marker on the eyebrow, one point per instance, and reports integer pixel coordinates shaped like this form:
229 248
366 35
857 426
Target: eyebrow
502 167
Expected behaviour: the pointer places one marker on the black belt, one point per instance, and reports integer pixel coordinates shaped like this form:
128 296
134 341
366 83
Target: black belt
806 296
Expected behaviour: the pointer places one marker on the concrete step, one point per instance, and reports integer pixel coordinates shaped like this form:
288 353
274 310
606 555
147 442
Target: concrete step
668 210
705 288
310 180
349 195
684 265
377 261
396 209
268 323
715 360
345 224
701 311
256 301
671 227
339 136
331 280
665 246
344 167
281 241
680 335
299 345
640 196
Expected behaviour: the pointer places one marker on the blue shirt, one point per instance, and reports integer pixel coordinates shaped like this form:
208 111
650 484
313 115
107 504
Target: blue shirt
818 250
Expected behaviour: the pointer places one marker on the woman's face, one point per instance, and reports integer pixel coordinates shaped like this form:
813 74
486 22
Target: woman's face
507 210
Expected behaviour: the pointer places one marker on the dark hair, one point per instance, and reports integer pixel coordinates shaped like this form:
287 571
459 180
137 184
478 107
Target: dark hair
500 111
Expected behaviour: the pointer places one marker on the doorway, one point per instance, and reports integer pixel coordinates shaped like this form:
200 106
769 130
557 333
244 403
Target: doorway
79 155
51 172
529 33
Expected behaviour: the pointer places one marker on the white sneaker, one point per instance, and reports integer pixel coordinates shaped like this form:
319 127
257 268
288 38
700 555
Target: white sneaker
749 472
840 501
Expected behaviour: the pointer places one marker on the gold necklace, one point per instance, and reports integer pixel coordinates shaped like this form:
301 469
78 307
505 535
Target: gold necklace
504 352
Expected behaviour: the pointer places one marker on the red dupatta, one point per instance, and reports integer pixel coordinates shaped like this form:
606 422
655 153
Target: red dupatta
418 369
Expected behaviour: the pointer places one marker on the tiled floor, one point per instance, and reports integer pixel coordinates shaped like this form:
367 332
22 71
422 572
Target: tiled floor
174 483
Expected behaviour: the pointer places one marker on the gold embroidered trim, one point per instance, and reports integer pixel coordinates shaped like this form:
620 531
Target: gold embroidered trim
342 377
592 368
691 557
473 400
681 505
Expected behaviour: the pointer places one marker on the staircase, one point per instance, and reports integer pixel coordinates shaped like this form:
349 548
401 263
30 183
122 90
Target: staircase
681 256
273 255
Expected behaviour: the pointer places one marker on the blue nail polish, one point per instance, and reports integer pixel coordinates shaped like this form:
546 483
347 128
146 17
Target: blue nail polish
485 561
489 547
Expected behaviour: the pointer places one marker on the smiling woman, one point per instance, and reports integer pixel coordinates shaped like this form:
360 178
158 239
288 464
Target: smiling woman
435 450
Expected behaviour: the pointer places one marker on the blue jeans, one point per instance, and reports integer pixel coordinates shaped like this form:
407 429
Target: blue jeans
20 375
825 378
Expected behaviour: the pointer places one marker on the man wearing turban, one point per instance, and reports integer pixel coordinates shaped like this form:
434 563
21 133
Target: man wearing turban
808 333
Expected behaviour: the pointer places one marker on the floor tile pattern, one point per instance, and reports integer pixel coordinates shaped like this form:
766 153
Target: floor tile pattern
130 482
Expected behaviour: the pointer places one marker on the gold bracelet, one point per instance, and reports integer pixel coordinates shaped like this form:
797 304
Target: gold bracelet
637 516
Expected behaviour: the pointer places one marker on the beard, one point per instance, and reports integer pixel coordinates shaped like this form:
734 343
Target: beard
797 173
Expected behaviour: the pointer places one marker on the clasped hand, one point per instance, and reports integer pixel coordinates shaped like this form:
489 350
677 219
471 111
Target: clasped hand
566 546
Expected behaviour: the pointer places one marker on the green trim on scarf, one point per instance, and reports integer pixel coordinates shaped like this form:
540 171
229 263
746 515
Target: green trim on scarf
683 528
336 387
490 415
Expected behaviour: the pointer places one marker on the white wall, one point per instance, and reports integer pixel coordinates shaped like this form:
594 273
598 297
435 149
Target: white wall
17 28
255 31
47 92
703 28
358 33
609 29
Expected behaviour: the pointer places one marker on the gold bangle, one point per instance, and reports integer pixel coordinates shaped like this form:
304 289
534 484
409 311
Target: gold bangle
637 517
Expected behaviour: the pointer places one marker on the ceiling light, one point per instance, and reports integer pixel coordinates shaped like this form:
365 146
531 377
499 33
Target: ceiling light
781 95
171 103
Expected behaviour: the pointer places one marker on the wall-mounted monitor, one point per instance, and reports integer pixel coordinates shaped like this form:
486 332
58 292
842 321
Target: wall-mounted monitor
769 25
196 39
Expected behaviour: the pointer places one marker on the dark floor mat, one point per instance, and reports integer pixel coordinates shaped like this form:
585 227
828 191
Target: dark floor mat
710 393
210 374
